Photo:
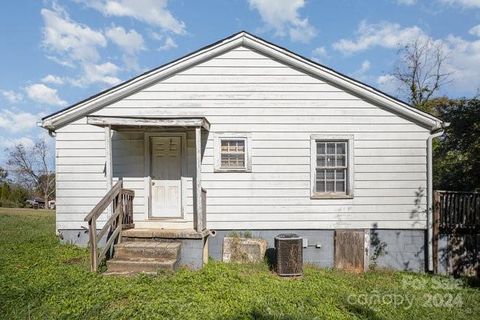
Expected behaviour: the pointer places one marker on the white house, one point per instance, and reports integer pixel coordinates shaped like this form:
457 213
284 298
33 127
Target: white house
245 135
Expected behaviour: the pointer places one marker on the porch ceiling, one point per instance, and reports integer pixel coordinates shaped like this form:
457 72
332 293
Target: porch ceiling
135 122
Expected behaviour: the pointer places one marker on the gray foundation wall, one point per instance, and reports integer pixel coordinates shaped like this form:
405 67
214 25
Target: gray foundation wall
319 251
191 254
402 249
77 237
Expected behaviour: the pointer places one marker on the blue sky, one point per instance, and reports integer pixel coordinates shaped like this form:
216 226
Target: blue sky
54 53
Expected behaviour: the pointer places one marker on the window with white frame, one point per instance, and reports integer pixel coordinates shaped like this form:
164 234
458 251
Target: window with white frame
232 152
332 167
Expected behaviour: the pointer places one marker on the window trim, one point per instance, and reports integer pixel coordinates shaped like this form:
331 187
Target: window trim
218 156
350 166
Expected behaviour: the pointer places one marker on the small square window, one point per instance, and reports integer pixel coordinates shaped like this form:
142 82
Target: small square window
231 153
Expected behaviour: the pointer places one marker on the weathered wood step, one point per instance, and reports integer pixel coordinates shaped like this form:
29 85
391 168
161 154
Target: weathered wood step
148 265
139 250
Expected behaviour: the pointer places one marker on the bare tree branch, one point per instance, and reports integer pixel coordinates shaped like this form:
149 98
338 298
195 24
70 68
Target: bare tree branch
32 167
420 70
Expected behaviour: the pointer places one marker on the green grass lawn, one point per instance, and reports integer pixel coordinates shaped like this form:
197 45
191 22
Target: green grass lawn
42 279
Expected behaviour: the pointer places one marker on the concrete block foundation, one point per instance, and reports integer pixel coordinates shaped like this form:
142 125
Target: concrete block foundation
402 249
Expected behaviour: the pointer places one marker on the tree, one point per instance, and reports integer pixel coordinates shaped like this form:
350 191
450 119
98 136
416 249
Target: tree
32 167
3 175
18 196
47 182
5 192
457 153
420 71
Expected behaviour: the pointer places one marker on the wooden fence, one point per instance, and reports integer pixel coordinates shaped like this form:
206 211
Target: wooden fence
456 219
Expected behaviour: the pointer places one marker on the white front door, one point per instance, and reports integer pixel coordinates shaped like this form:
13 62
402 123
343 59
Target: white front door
166 172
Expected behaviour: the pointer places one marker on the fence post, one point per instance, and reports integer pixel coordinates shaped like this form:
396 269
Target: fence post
92 231
436 229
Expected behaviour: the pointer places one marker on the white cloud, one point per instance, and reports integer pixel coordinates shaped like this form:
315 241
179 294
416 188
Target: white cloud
51 79
168 44
475 31
463 3
72 43
153 12
407 2
319 54
155 35
360 73
43 94
388 83
320 51
130 41
69 40
302 32
364 67
283 17
8 143
12 96
463 56
60 61
16 121
105 73
384 34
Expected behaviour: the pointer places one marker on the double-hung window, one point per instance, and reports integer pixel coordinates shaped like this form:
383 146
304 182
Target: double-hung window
232 152
332 167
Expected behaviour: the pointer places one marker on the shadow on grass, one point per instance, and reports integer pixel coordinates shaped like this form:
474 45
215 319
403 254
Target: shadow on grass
472 282
363 312
259 314
270 258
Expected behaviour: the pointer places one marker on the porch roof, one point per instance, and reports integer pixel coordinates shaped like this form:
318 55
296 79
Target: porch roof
131 121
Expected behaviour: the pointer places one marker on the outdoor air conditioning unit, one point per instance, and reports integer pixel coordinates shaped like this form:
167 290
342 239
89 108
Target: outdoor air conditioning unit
289 255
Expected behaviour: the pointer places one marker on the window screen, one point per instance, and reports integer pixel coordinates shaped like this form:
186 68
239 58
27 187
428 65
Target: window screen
232 153
331 168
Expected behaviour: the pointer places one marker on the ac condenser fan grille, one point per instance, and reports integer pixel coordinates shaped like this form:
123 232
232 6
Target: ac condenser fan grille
289 254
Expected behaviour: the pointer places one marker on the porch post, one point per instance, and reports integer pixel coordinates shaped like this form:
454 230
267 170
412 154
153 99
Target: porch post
108 162
197 183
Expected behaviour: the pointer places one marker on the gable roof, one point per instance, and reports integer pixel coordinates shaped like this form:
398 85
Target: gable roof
377 97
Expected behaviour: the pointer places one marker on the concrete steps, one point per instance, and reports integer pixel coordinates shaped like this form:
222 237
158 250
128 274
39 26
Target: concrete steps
149 257
138 250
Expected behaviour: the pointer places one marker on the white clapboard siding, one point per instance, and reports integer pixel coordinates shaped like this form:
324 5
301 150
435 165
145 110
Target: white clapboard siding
281 107
305 144
270 105
315 224
311 217
243 87
305 201
305 193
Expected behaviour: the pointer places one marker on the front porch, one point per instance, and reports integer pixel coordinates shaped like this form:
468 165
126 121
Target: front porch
170 206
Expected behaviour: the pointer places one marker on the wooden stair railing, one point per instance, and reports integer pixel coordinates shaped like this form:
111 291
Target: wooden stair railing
122 218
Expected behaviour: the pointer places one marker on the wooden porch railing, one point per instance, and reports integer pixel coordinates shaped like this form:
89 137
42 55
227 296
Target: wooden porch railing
122 218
